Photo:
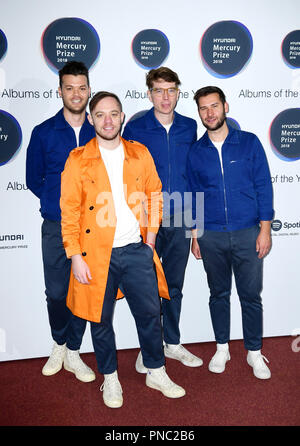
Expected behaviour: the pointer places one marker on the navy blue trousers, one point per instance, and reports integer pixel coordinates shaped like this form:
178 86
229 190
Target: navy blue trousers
172 247
132 268
65 327
224 253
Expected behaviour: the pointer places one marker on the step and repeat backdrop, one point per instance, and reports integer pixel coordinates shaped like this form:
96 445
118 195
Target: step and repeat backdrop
250 49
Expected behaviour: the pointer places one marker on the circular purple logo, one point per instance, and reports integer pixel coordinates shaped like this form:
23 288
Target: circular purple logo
10 137
285 134
290 49
225 48
233 123
3 44
70 39
150 48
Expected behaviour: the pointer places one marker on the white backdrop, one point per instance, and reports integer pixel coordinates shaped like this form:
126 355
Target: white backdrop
24 328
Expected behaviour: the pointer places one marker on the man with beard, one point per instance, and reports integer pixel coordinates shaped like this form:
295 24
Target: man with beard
111 205
49 147
230 167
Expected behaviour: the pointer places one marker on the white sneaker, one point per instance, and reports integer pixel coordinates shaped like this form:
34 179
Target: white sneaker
112 391
159 380
182 354
139 365
73 363
218 361
55 361
257 361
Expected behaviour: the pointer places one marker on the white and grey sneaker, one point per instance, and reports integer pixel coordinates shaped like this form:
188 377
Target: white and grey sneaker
159 380
55 361
218 361
73 363
139 365
182 354
112 391
257 361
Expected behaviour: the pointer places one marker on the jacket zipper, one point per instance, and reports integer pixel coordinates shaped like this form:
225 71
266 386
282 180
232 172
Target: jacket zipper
168 141
225 201
224 188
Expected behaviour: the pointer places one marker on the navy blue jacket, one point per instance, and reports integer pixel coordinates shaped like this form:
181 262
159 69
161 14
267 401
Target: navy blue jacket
48 149
241 196
169 150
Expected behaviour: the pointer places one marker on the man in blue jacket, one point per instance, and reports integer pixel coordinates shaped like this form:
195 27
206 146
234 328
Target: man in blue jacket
49 147
168 136
230 167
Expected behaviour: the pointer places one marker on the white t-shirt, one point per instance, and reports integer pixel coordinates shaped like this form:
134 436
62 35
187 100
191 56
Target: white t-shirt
218 146
127 227
77 131
167 126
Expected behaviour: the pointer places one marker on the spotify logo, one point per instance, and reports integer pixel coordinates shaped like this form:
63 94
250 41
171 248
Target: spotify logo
276 225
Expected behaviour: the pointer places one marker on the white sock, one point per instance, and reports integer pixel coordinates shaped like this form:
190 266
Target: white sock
111 374
223 347
254 352
172 346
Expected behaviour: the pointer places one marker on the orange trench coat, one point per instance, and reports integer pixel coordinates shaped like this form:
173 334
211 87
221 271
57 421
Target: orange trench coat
89 221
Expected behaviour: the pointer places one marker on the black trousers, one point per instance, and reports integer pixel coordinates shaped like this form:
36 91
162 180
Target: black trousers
65 327
173 247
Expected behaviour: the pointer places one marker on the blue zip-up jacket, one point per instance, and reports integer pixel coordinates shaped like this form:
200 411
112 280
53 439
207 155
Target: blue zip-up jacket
48 149
241 196
169 150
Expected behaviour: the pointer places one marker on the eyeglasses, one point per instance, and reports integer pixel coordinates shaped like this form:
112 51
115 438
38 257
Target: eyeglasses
160 91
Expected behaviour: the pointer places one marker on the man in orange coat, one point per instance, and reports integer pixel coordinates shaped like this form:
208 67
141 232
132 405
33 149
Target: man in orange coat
111 205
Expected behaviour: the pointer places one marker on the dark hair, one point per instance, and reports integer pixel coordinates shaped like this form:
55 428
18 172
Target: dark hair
74 68
162 73
101 95
205 91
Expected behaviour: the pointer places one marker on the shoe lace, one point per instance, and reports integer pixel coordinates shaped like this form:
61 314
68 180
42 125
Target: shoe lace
111 385
260 361
185 354
57 352
77 361
220 356
164 378
181 349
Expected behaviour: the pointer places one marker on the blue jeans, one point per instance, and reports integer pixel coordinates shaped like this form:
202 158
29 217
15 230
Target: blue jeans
65 327
173 248
132 267
222 254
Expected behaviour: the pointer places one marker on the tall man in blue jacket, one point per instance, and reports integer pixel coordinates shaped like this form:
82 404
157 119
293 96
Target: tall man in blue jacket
49 147
230 167
168 136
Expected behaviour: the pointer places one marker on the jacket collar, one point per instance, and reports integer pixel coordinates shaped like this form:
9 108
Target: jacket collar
92 151
233 137
61 123
153 123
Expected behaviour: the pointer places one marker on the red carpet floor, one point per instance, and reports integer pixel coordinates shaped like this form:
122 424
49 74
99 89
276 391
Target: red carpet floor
234 398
